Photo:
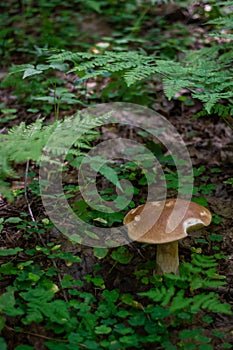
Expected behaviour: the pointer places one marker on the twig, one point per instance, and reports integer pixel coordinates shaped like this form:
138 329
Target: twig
45 337
28 203
33 219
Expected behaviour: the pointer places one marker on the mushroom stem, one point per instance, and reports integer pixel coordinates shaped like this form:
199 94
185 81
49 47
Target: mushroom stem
167 258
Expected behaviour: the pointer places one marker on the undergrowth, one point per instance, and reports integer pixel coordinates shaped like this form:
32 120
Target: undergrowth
206 73
72 318
38 300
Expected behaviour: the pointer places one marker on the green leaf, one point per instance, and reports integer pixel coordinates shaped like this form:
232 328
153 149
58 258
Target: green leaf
3 345
98 281
1 226
2 324
122 255
130 340
10 251
100 253
91 345
136 321
7 304
205 347
57 311
31 71
111 296
8 269
59 66
13 220
158 294
201 200
215 237
103 329
94 5
65 256
24 347
75 238
121 202
53 345
226 346
180 302
122 329
91 234
111 175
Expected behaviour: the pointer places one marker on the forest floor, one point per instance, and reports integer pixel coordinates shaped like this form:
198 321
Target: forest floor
209 142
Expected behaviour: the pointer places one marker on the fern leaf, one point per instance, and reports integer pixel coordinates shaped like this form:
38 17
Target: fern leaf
172 86
225 22
139 73
211 302
179 302
156 294
204 261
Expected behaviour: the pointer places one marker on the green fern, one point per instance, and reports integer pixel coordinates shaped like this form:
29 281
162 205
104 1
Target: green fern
225 22
210 302
132 66
200 274
27 142
207 73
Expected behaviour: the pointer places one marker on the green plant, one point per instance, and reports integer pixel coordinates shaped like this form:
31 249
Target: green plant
208 80
29 27
42 297
33 138
229 181
110 320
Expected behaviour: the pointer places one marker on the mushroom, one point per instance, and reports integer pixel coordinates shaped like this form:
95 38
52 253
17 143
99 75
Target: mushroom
164 223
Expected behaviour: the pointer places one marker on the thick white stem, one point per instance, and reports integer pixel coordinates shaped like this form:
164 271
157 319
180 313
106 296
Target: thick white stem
167 258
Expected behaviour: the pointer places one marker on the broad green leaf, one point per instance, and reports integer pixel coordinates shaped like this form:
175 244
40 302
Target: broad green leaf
122 329
31 71
111 175
57 311
7 304
103 329
10 251
91 234
3 345
13 220
122 255
59 66
111 296
100 253
201 200
93 5
9 269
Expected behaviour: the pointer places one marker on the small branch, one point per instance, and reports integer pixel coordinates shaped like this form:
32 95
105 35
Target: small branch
28 203
34 220
45 337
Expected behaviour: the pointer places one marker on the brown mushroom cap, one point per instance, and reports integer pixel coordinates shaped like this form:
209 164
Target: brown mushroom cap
165 221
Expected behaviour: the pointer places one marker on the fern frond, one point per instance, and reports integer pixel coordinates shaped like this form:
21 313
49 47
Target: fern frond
132 65
211 98
139 73
225 22
27 142
58 57
172 86
222 110
210 302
